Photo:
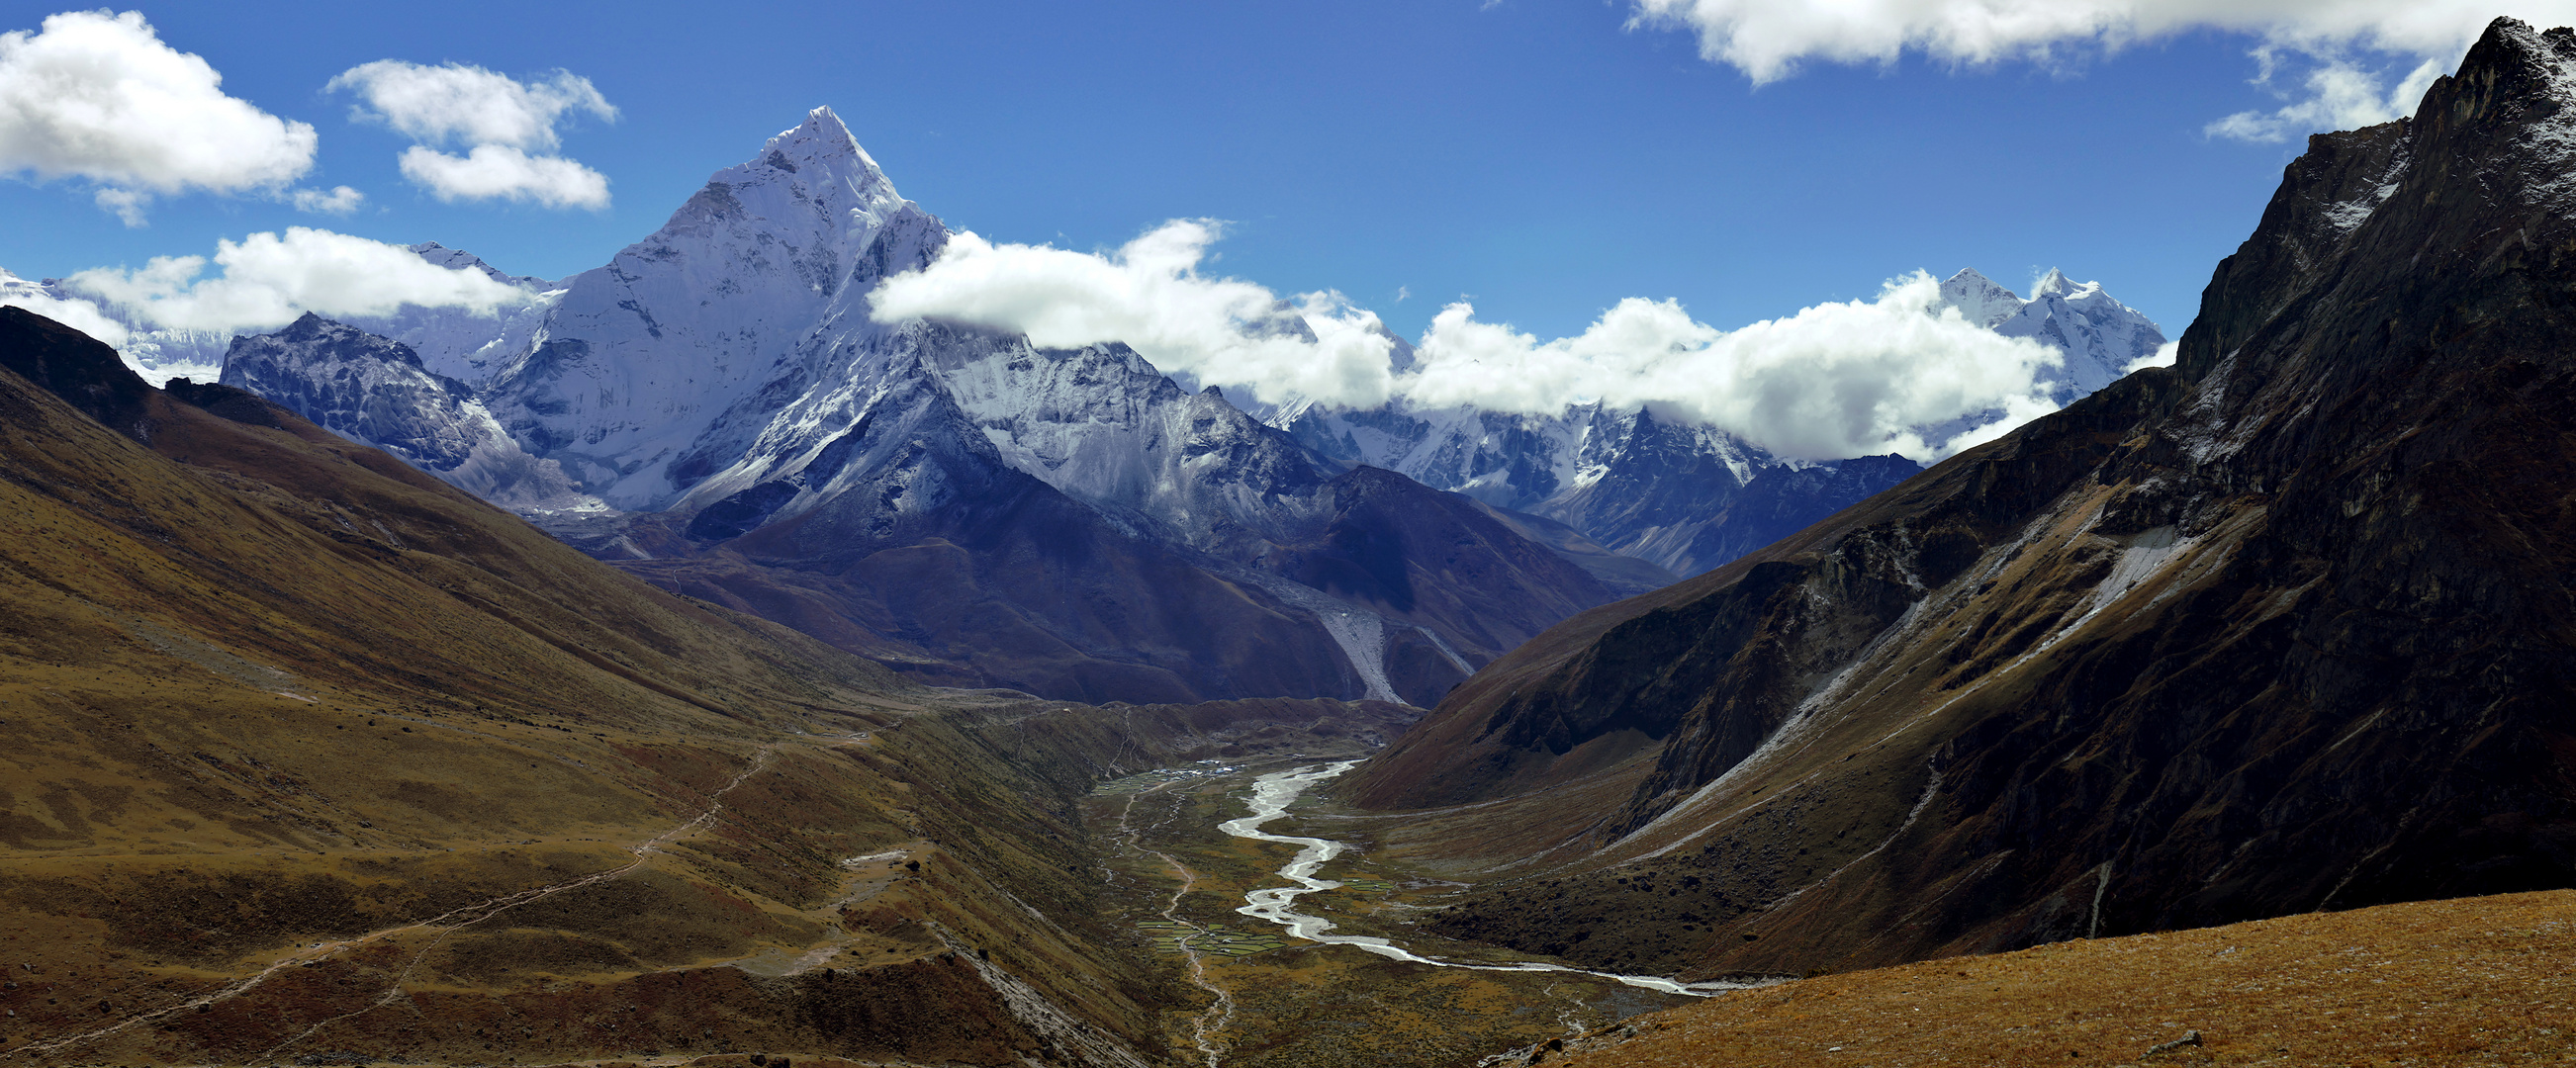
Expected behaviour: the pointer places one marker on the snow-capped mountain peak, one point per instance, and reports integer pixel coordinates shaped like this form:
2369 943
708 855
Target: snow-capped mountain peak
1691 497
811 188
1979 299
823 142
726 370
2100 336
661 367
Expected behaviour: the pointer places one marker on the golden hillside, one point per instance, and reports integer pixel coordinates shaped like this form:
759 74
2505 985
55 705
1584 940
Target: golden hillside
2487 980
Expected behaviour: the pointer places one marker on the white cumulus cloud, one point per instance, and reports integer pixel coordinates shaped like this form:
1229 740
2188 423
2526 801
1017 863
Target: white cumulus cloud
500 172
97 96
2341 95
1150 294
1835 380
267 280
457 103
339 200
505 125
1769 39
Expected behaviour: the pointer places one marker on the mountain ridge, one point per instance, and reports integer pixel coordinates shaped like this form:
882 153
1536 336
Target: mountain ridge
378 391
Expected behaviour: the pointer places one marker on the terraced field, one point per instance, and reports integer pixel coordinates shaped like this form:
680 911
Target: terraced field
1173 936
1146 780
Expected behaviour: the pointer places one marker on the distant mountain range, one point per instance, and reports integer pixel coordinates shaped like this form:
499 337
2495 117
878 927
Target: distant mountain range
716 410
1690 498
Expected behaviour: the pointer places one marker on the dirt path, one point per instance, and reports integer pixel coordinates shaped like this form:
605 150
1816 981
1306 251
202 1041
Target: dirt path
445 924
1221 1012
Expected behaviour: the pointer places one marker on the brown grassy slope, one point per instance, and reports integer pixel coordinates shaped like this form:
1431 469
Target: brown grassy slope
273 698
331 560
311 756
2462 981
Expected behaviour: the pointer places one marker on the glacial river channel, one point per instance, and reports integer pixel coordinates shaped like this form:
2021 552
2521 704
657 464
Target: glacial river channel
1271 796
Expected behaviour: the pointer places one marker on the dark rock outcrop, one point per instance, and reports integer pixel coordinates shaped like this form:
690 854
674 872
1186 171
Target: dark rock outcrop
78 368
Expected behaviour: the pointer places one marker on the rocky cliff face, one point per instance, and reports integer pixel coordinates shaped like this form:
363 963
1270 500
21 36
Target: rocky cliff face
2285 627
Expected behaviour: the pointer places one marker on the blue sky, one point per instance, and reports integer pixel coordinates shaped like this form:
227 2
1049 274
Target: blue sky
1541 158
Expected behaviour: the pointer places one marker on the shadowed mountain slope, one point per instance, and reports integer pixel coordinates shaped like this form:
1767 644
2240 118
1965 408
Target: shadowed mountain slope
2285 627
906 538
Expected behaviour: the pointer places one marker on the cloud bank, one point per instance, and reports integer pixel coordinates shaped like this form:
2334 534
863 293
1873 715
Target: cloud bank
506 125
1835 380
267 281
1770 39
98 96
459 103
1150 294
81 315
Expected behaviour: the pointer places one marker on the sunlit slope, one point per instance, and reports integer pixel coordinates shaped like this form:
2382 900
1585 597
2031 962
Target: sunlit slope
2461 981
310 753
337 564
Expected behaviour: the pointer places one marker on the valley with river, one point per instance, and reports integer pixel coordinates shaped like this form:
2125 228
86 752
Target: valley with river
1302 940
